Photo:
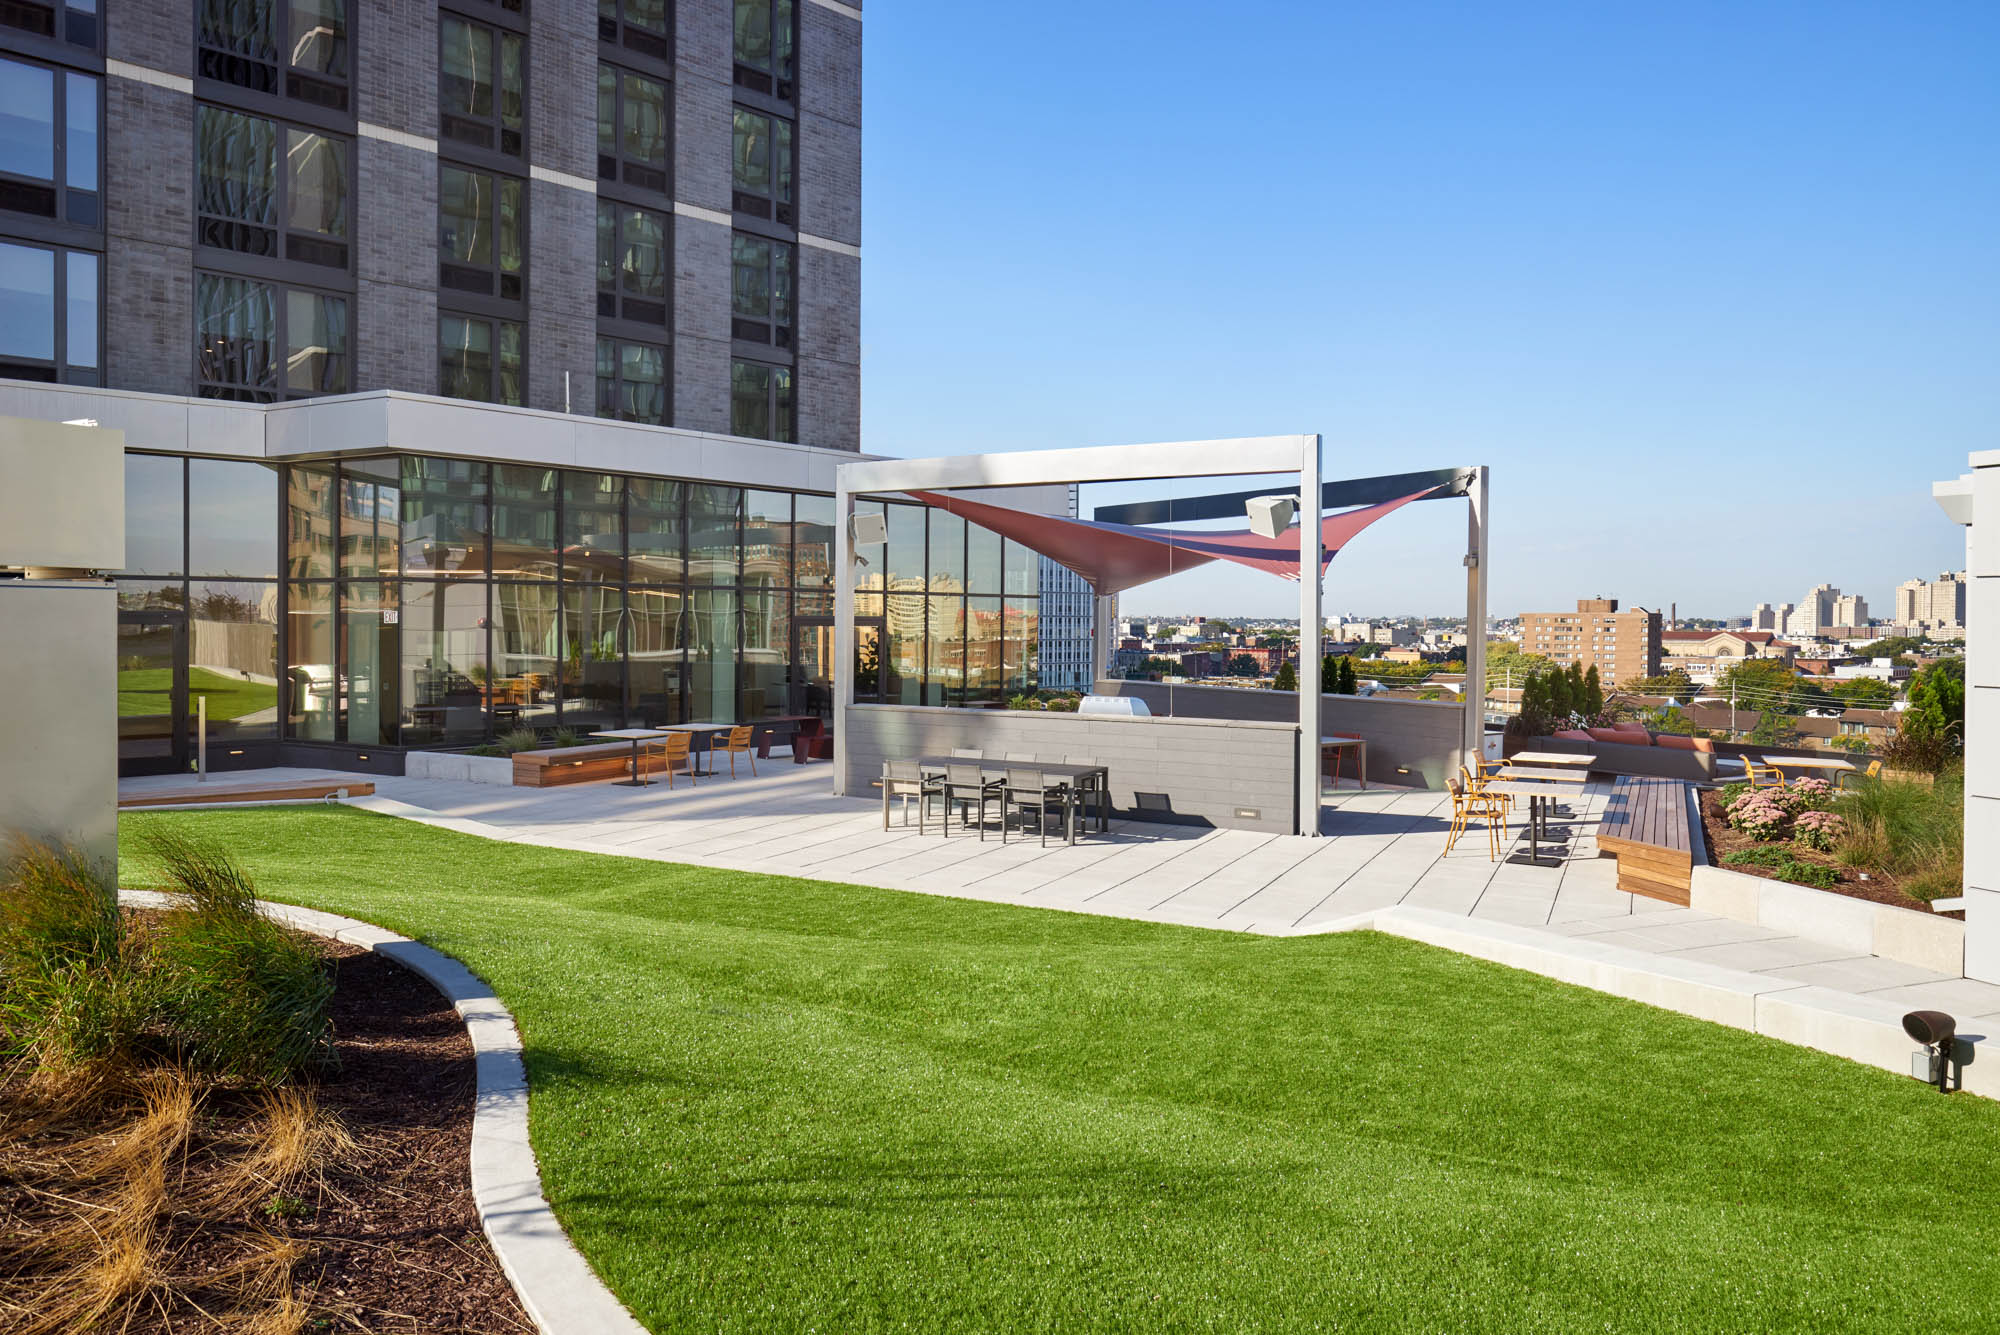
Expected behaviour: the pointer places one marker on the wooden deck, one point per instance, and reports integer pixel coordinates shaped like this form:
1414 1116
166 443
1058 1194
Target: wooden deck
1653 828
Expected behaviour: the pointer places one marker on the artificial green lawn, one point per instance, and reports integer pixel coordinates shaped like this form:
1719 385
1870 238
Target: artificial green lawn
773 1104
145 691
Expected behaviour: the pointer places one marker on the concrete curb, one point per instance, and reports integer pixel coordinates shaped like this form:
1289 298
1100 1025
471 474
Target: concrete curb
562 1293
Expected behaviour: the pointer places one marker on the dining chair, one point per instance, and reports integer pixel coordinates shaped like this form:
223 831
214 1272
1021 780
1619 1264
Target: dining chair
673 750
1476 787
1762 776
906 779
1468 806
1026 788
964 785
736 742
1339 754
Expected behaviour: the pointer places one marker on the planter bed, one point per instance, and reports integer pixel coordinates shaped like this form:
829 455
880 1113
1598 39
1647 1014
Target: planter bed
1881 887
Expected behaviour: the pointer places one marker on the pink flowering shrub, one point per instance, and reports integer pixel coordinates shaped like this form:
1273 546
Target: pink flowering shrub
1818 829
1811 794
1761 814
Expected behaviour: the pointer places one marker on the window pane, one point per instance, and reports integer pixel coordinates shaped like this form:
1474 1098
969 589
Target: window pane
985 675
607 244
781 283
154 531
903 650
1024 646
982 566
607 111
753 33
592 670
645 120
467 66
813 541
513 101
27 120
232 518
465 358
645 260
766 653
27 302
370 504
1024 570
310 710
648 14
465 208
607 378
654 668
369 633
712 656
781 145
309 521
767 538
316 334
239 166
527 637
80 128
233 658
947 553
81 298
512 219
513 385
242 26
782 426
751 284
904 556
656 530
781 39
643 376
444 663
712 536
318 176
319 37
524 521
236 327
593 527
750 400
752 152
444 517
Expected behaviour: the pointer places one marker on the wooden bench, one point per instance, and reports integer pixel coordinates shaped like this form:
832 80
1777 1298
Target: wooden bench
1653 827
250 791
580 764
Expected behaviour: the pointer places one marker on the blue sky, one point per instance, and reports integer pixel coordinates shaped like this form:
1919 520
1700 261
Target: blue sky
1714 289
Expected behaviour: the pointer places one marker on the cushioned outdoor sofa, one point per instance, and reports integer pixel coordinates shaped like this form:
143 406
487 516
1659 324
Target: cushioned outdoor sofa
1630 749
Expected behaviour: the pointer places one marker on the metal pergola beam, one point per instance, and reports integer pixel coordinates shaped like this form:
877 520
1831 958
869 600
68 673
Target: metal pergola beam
1341 495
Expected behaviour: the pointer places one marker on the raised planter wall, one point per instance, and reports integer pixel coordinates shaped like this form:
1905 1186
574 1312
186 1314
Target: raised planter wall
1867 928
459 768
1201 771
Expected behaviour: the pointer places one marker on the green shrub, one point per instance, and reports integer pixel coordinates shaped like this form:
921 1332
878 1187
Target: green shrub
1764 855
1909 828
1784 865
1730 792
488 751
518 739
70 990
565 737
239 994
1809 873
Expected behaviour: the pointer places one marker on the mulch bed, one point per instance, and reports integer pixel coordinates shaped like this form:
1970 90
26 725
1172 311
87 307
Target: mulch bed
1881 887
386 1234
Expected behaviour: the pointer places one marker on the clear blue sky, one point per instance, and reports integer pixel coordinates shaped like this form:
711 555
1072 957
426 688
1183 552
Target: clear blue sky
1714 288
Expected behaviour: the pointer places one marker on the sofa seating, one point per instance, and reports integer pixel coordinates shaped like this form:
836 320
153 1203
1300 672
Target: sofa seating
1663 762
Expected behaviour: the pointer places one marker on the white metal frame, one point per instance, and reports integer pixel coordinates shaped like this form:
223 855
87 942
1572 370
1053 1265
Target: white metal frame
1140 463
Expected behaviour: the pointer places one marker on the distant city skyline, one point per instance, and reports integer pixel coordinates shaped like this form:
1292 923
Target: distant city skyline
1711 289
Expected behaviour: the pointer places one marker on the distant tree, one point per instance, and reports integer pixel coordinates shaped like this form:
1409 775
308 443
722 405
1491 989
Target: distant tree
1243 665
1593 693
1287 678
1852 742
1349 682
1767 684
1775 728
1937 706
1891 646
1674 683
1864 693
1506 663
1676 722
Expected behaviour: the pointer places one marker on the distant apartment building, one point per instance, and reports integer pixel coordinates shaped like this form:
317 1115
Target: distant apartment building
1392 635
1621 645
1704 654
1937 604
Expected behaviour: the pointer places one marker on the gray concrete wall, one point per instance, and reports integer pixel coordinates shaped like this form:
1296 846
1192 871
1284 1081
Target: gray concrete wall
1410 742
1199 771
59 758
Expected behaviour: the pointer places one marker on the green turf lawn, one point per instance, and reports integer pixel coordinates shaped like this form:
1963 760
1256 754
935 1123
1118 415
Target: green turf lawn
771 1104
149 691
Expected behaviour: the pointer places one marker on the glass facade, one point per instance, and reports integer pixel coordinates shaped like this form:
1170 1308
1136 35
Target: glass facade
426 602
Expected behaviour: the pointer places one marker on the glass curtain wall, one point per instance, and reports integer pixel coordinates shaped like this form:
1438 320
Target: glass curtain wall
429 602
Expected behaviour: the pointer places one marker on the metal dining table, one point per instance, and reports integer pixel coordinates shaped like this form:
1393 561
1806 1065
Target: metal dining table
1093 781
707 730
1538 792
638 737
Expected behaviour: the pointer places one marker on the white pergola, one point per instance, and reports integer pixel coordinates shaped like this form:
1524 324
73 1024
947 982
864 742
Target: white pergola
1247 456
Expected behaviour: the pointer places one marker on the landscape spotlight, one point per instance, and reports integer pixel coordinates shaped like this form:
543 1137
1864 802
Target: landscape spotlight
1271 515
1938 1032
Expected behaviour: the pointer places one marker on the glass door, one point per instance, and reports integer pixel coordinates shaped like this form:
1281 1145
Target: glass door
152 693
812 664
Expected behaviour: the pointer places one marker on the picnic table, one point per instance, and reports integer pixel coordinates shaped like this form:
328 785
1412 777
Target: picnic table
1093 781
1553 758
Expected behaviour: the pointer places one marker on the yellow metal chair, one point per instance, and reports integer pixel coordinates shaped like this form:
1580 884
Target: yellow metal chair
1476 787
1468 806
1762 776
737 743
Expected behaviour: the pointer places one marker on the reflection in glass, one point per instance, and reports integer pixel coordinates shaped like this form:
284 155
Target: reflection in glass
766 643
654 672
767 537
233 657
316 343
466 63
712 656
369 633
645 120
750 400
593 667
712 533
947 553
985 674
1023 646
524 521
236 330
242 26
607 112
1024 570
527 639
80 147
154 531
319 37
152 595
982 559
231 503
813 536
310 687
658 528
903 650
465 216
81 299
309 521
631 381
238 161
318 177
905 551
370 502
594 527
444 671
27 302
444 517
27 120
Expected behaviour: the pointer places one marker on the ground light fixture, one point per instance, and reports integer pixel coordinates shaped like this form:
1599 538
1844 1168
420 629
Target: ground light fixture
1938 1033
1270 515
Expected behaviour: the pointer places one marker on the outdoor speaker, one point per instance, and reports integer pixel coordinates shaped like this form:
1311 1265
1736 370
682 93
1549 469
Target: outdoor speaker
1271 515
867 530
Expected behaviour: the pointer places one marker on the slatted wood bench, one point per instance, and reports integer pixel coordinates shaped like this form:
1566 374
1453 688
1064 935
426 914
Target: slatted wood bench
578 764
250 791
1653 827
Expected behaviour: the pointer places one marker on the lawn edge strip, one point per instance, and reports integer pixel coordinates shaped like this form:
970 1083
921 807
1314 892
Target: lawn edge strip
563 1295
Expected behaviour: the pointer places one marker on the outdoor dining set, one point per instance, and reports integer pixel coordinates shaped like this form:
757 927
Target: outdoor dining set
1539 778
974 787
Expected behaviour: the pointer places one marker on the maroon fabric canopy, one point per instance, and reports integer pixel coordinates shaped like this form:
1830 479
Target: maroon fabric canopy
1114 557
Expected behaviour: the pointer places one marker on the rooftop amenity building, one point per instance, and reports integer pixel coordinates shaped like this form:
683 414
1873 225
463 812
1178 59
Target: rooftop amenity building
1620 645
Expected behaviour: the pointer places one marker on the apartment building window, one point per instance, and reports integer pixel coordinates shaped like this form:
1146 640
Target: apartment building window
259 342
631 128
482 85
290 48
481 359
636 25
482 226
631 381
50 146
632 263
247 201
74 23
766 37
761 290
763 166
760 401
51 314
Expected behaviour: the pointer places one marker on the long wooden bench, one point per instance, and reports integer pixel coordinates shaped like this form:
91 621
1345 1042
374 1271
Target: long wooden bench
1653 827
249 791
580 764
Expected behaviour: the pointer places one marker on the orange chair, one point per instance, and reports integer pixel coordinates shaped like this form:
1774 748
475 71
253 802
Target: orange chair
1467 807
673 750
735 744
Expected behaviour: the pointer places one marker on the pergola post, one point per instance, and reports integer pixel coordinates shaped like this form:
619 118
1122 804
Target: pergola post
1309 638
1475 620
843 622
1103 634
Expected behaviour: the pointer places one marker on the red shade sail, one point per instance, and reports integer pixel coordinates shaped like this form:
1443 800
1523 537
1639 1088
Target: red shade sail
1115 557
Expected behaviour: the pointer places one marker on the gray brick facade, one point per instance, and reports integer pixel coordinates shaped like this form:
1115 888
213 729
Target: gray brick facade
829 342
562 297
149 235
701 324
